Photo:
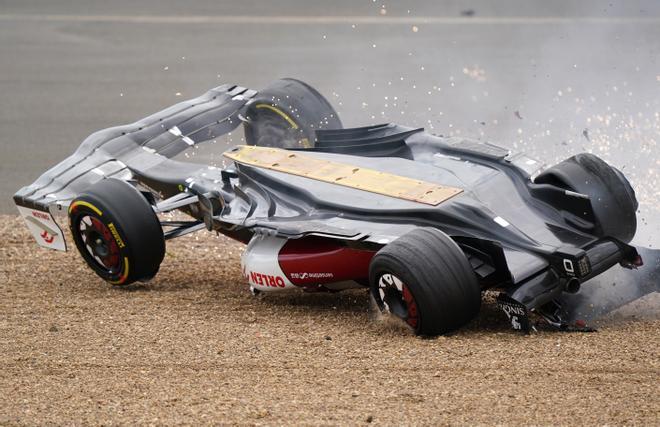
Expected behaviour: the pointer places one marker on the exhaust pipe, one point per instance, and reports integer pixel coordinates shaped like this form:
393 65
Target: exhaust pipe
572 286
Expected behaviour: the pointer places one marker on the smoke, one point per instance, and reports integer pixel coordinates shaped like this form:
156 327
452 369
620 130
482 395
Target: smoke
577 77
616 288
552 79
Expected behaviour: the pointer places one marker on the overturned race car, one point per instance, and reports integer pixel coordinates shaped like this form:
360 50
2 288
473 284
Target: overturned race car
425 222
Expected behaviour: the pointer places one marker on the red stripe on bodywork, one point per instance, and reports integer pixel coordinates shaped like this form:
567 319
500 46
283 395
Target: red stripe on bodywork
315 260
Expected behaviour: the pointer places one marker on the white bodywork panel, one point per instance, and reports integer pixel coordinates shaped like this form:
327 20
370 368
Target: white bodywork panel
44 228
261 266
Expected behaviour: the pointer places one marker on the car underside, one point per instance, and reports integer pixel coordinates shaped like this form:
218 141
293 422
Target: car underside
425 222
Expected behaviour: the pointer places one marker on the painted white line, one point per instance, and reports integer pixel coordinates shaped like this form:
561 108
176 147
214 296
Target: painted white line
318 20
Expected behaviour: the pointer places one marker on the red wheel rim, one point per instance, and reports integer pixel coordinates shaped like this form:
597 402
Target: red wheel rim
397 299
413 316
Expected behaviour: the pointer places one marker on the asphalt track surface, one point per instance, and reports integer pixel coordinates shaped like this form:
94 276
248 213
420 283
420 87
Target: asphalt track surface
549 78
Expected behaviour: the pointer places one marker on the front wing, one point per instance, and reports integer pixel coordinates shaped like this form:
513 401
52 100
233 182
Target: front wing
122 151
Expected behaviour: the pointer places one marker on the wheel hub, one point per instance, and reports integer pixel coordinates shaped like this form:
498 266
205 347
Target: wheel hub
100 243
100 248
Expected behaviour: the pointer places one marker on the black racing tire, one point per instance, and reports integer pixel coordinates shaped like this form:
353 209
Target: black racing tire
117 232
439 289
612 197
287 114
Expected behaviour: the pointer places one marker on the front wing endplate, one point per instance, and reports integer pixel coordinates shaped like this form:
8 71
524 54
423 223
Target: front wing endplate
43 227
352 176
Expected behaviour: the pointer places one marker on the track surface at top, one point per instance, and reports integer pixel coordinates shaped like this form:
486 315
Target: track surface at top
549 78
193 346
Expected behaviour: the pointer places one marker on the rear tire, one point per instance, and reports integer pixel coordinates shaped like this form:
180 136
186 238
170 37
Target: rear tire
424 279
286 114
117 232
612 197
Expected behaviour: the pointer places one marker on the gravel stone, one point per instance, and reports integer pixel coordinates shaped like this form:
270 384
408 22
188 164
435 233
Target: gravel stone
193 346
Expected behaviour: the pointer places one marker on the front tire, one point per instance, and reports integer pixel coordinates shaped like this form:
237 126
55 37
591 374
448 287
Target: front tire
424 279
117 232
612 197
